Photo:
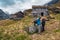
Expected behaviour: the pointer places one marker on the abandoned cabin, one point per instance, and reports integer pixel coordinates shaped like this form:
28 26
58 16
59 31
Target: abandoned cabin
17 15
40 11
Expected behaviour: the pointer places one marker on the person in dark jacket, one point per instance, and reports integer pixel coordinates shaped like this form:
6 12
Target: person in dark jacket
43 23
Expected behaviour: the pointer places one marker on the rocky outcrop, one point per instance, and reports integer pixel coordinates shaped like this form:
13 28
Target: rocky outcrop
27 12
17 15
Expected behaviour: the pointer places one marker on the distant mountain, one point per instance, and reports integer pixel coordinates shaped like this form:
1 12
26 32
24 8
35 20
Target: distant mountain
53 2
57 4
3 15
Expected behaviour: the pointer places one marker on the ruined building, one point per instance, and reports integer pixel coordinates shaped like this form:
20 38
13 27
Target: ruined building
40 11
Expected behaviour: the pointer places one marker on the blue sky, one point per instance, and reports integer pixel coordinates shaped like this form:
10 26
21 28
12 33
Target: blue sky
13 6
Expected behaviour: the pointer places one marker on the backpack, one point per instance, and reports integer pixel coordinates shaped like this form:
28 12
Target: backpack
31 29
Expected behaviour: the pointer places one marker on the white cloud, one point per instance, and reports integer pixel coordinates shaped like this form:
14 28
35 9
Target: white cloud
40 2
23 5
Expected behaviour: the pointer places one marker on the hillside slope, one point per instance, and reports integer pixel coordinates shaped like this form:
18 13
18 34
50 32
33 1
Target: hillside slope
13 30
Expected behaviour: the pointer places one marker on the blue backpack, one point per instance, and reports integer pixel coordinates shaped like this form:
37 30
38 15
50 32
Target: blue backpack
38 21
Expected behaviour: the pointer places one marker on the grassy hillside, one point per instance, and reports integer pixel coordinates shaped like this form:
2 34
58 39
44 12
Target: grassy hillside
13 30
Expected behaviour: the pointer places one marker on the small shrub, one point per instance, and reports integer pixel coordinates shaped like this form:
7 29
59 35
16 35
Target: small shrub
22 37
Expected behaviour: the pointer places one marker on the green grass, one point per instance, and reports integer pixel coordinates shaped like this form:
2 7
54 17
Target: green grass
57 16
22 37
7 22
10 30
57 30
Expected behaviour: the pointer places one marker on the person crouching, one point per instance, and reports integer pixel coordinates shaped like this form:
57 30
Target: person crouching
38 25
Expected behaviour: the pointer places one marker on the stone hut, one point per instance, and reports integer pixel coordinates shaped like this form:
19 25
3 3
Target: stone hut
40 11
17 16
